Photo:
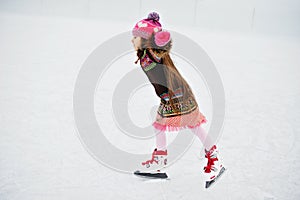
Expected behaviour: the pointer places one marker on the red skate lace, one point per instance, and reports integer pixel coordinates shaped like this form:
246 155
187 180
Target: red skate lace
152 159
210 160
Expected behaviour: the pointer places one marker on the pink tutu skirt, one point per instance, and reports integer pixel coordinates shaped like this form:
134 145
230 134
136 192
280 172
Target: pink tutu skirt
175 123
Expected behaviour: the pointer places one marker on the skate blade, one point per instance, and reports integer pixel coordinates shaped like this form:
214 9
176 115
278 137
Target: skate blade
153 176
209 183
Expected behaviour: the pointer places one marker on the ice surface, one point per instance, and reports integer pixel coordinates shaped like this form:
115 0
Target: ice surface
41 156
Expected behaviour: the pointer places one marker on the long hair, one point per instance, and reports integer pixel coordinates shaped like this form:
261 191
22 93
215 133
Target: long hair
173 77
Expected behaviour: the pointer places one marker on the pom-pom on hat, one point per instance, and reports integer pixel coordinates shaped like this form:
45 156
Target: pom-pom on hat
162 38
146 27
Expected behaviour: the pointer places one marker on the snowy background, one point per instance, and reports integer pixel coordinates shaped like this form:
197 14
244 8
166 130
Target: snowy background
254 45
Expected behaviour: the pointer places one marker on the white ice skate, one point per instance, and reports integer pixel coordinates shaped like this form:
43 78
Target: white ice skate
214 168
154 168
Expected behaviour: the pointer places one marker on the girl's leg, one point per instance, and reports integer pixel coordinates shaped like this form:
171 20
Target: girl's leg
159 156
203 136
161 139
214 167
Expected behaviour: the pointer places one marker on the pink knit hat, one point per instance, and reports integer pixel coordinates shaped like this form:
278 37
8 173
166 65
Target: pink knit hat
162 38
146 27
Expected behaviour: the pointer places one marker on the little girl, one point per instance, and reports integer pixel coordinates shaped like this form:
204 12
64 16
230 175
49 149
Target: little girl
178 107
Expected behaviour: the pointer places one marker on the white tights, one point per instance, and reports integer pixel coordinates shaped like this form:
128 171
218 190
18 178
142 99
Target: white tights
161 140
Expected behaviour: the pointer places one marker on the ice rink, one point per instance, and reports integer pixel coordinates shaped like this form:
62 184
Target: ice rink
43 158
